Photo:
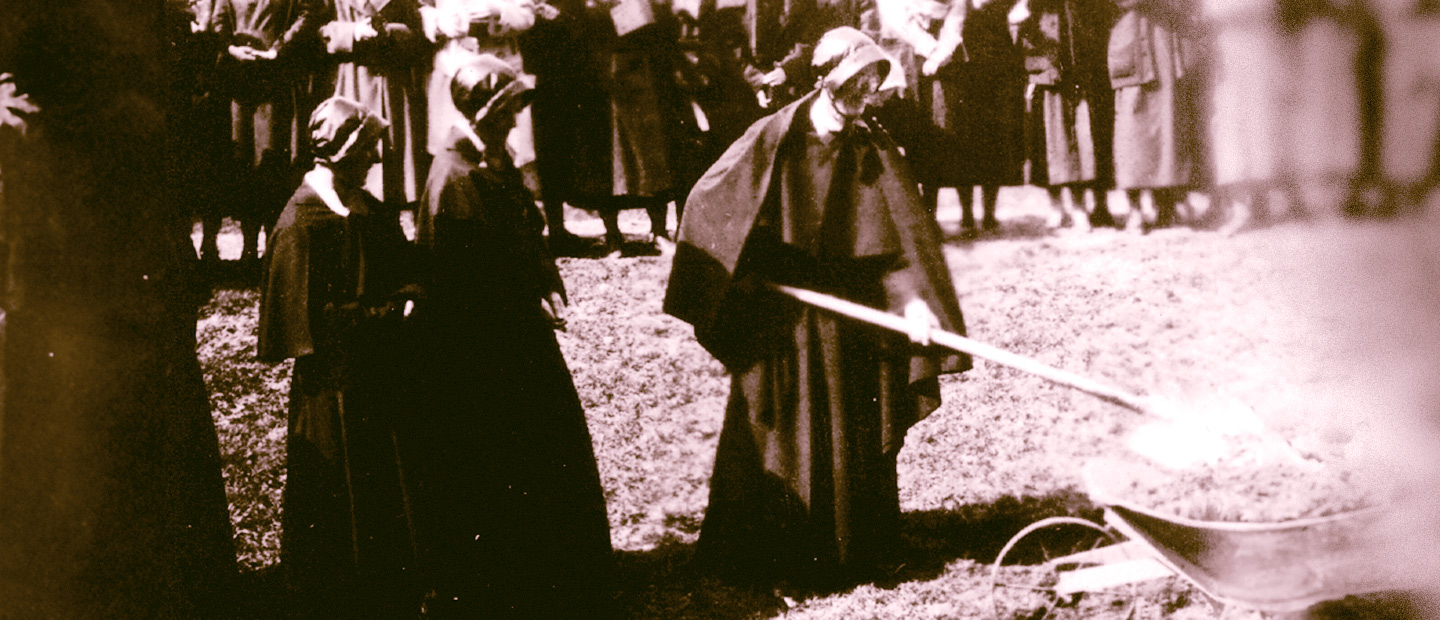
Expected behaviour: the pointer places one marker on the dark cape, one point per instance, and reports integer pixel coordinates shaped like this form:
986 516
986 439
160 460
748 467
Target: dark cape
329 301
804 487
509 501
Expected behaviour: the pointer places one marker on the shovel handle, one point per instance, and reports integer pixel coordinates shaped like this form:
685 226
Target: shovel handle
951 340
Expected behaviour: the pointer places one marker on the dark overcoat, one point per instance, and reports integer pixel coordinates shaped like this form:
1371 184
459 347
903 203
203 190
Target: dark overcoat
509 502
804 483
328 301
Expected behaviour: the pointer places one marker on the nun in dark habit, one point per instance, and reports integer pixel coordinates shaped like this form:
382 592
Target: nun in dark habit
804 490
333 298
509 503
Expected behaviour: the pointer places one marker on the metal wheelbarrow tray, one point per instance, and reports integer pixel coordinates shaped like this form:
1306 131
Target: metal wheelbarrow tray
1277 567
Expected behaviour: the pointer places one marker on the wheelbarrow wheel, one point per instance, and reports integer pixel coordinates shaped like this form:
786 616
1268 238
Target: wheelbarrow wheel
1025 580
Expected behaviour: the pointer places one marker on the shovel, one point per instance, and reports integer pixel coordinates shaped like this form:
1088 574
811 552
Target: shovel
951 340
1241 418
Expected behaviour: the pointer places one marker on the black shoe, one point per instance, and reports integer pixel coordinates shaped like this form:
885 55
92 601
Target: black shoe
1102 218
614 245
568 244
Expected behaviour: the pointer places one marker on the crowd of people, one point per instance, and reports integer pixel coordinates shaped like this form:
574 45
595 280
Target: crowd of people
437 451
632 101
1297 104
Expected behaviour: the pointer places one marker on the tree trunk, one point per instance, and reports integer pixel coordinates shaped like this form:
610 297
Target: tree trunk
112 503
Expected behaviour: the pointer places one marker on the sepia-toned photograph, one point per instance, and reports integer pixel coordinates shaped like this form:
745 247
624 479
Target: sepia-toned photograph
719 309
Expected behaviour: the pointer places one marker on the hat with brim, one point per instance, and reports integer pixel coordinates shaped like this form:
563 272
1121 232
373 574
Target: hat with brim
843 52
340 127
510 100
487 86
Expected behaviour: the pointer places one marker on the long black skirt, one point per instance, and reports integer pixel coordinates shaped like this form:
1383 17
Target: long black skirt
509 503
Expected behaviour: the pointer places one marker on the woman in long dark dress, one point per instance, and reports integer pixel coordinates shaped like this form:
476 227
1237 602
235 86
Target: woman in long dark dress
569 114
509 501
332 299
268 45
978 99
804 489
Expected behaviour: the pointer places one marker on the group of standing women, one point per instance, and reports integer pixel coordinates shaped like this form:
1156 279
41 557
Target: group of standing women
437 452
1253 101
437 448
995 94
632 100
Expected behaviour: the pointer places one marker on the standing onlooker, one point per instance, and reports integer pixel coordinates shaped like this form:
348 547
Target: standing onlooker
1246 115
652 125
906 30
382 57
198 123
509 502
1153 65
569 127
805 489
1331 111
268 46
333 299
979 96
1064 45
570 112
1411 95
464 29
714 47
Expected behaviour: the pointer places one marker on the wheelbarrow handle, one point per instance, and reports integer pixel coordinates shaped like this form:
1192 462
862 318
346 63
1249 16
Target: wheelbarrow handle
951 340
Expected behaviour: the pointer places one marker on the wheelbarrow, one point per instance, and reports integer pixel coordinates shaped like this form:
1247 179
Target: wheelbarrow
1280 567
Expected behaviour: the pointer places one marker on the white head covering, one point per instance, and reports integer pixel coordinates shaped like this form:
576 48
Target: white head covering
843 52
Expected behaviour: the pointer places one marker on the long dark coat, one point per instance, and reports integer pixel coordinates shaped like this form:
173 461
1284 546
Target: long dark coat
571 109
508 496
978 100
197 118
652 123
804 486
269 100
328 302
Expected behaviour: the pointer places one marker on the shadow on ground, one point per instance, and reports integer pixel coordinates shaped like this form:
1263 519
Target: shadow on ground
261 594
664 583
593 247
976 532
231 274
1380 606
1011 229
